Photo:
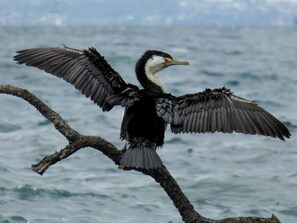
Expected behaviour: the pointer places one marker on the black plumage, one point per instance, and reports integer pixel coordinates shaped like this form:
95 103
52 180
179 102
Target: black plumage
149 110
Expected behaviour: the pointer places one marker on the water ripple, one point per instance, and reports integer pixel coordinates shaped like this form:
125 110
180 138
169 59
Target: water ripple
13 219
7 127
28 192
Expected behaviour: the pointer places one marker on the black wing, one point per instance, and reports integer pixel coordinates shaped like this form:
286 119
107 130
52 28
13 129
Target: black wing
87 70
218 110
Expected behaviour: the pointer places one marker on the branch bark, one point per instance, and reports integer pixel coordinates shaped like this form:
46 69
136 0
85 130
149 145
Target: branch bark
78 141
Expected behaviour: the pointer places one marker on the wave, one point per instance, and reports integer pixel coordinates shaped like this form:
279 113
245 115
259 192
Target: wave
7 127
28 192
13 219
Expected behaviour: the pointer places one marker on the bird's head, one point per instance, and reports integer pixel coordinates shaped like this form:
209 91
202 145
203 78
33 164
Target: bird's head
151 62
154 61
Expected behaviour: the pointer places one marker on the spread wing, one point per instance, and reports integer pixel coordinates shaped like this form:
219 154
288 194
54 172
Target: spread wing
218 110
87 70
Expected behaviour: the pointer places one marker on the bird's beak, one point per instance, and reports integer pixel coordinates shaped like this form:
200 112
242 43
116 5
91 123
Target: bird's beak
176 62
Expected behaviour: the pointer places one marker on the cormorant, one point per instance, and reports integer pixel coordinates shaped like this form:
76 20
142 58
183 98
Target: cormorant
149 110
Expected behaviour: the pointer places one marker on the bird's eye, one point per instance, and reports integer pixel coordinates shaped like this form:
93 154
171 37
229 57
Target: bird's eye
168 60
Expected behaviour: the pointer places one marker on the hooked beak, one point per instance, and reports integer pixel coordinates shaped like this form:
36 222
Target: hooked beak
176 62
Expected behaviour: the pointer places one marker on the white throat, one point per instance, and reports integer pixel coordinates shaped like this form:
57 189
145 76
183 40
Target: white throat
154 65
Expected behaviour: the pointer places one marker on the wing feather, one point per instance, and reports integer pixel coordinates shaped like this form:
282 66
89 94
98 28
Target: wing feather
230 121
218 110
87 70
200 123
214 121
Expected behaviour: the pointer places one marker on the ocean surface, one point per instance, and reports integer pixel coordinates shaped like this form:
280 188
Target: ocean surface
223 175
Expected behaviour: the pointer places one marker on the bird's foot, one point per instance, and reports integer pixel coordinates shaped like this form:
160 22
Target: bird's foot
123 167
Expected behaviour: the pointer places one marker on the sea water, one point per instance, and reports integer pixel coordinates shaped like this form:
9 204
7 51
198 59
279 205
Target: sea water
223 175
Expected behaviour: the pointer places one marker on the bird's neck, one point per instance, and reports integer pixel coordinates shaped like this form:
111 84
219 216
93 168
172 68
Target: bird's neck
147 78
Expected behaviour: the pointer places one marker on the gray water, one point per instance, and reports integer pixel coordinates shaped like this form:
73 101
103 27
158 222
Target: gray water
223 175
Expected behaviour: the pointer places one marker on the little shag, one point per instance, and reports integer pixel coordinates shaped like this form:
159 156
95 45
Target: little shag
149 110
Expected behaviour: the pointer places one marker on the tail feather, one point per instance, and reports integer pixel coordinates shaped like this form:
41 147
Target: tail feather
141 155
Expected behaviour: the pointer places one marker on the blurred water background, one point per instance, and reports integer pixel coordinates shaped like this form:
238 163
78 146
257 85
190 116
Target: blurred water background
223 175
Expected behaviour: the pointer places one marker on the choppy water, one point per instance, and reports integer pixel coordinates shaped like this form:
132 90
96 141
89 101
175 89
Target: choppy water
223 175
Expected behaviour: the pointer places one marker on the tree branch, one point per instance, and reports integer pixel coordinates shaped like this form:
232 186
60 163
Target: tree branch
78 141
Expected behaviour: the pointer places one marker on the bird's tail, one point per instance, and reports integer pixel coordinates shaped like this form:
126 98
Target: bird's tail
141 153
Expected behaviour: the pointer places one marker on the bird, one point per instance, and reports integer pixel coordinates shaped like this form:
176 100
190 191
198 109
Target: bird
149 109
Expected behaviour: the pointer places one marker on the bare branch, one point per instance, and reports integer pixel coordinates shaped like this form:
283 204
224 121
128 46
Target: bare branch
82 141
78 141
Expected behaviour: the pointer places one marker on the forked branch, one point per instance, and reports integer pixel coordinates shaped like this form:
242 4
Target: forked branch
78 141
